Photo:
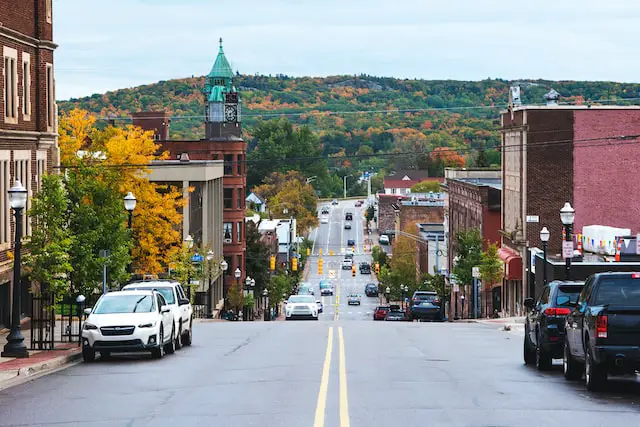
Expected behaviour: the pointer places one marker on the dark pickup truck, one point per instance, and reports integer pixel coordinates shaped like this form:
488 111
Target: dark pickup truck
603 330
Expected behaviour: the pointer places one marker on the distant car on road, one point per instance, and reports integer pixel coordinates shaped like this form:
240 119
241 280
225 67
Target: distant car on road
301 306
348 216
544 325
351 242
325 210
334 202
324 220
353 299
365 268
347 263
325 287
384 239
371 290
347 226
380 312
425 305
305 289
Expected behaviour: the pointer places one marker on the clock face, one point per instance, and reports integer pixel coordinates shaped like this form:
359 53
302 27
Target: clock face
230 113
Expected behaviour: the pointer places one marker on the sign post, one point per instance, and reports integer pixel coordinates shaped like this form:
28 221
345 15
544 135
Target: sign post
475 272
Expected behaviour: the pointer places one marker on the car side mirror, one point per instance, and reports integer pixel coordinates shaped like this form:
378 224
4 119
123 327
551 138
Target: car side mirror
165 309
529 303
183 301
87 311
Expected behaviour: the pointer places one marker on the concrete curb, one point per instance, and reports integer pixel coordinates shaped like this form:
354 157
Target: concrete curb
37 370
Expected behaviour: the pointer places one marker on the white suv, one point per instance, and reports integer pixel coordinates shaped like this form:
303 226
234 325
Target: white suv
176 299
301 306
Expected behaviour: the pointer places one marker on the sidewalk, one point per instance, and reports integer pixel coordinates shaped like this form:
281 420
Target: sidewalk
16 371
513 324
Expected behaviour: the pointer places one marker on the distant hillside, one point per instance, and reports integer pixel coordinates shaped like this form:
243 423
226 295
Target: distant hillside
350 111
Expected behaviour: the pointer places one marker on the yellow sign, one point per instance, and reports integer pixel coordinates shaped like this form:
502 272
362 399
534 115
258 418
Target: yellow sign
332 274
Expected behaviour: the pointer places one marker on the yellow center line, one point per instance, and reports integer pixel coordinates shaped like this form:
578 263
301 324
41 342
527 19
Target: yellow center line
324 383
344 401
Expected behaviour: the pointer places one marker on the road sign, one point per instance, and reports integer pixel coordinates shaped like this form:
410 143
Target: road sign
567 249
475 272
332 274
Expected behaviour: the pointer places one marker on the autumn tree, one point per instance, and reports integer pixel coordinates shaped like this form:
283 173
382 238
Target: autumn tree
257 256
402 267
491 270
426 187
449 156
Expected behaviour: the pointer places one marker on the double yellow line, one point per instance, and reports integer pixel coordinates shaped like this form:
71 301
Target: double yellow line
324 383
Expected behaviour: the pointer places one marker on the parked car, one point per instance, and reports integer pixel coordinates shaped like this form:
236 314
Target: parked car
301 306
371 290
365 268
347 226
396 316
128 321
353 299
347 263
325 210
425 305
603 329
326 288
177 299
380 312
384 239
544 324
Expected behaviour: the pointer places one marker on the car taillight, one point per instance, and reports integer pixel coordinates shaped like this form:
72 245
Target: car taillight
601 326
436 301
557 311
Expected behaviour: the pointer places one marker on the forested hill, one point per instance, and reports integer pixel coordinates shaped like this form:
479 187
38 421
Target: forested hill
350 111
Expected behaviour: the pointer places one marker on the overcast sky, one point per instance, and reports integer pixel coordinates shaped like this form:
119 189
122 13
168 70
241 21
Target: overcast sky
108 45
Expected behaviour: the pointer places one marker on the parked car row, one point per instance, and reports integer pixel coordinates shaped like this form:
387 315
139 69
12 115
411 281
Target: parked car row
594 326
146 316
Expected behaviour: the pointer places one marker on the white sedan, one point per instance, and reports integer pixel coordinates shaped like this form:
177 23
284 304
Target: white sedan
301 306
324 220
129 321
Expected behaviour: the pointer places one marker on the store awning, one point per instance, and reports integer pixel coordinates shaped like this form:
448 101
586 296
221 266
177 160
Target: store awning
512 263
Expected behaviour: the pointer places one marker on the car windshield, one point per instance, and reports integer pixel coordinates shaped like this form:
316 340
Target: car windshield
425 297
568 296
166 292
618 291
121 303
301 299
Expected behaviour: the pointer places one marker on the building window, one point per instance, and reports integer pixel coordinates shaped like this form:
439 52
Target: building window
241 165
41 164
10 85
51 99
22 172
228 198
227 232
228 164
5 210
49 12
239 232
26 86
240 198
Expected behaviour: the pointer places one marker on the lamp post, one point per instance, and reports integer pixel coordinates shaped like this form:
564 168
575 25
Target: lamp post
387 293
567 216
344 178
15 346
210 255
405 296
265 304
188 243
544 238
462 302
130 202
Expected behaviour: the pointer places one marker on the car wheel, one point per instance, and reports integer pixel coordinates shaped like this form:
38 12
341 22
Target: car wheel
529 352
187 338
170 347
595 375
178 342
544 360
158 352
570 367
88 354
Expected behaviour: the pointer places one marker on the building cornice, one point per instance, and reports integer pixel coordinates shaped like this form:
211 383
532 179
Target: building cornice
24 39
23 135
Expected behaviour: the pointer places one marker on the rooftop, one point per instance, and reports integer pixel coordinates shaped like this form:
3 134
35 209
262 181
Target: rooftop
221 68
573 107
482 182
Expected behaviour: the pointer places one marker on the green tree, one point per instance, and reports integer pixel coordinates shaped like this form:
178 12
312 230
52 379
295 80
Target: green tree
48 259
279 286
257 257
482 161
236 297
379 256
370 214
468 247
426 187
401 270
491 267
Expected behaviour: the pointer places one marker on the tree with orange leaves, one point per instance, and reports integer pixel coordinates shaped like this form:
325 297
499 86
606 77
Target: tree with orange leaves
449 156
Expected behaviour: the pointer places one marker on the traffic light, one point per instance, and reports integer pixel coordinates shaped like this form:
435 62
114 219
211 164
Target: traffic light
308 252
377 268
320 265
331 252
294 263
353 271
320 251
272 263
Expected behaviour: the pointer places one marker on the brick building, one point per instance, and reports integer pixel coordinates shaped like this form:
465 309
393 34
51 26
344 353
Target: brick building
223 141
28 125
554 154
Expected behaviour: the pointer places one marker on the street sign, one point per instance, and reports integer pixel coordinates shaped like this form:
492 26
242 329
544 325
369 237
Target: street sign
475 272
332 274
456 288
197 258
567 249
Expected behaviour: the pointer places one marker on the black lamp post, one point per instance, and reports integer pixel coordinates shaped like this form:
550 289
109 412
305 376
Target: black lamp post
248 286
223 266
567 216
15 346
388 294
129 205
544 238
265 304
462 302
188 243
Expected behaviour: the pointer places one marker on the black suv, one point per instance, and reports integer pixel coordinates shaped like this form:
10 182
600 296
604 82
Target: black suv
351 242
425 305
365 268
544 325
371 290
348 216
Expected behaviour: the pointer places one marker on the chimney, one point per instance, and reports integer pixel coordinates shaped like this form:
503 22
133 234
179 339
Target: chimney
552 97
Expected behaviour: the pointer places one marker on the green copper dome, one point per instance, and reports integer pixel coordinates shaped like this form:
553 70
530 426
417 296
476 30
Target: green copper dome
221 68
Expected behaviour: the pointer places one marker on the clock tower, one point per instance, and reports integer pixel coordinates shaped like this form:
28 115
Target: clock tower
223 105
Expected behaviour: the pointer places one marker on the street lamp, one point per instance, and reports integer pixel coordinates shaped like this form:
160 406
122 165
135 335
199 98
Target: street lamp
210 256
405 295
544 238
15 346
130 202
462 301
265 304
388 293
247 287
188 241
567 216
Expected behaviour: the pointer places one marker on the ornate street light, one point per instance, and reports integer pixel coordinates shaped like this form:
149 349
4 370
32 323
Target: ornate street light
544 238
15 346
567 216
188 241
265 296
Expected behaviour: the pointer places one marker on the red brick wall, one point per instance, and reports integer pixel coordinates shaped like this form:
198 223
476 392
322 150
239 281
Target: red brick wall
606 187
490 226
420 214
386 215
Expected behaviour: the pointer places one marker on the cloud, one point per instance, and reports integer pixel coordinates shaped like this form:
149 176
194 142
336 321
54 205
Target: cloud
123 43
